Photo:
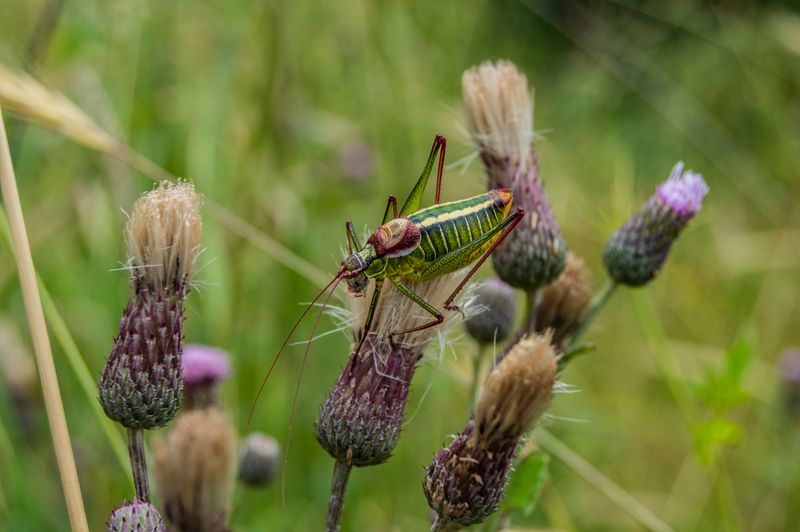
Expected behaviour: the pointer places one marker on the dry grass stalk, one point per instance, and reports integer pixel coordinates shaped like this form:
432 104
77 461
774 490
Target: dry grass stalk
41 342
31 101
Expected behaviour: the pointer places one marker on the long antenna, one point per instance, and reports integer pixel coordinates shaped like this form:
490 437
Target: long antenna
283 346
297 391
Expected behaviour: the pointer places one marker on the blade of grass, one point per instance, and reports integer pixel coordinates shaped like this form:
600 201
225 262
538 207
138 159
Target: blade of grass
624 60
76 361
30 100
598 480
41 342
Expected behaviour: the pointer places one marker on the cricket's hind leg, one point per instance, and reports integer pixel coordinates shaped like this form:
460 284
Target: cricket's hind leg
505 227
414 200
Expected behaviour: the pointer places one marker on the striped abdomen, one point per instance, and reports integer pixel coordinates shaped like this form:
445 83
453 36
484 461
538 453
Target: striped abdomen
447 227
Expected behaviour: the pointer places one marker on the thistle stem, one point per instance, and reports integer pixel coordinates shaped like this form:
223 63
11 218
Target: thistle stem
598 302
138 464
341 472
532 299
528 326
439 524
476 371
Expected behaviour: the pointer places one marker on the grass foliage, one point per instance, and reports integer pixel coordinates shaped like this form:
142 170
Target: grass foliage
270 108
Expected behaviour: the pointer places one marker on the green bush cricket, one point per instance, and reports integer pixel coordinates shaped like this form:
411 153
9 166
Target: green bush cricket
417 245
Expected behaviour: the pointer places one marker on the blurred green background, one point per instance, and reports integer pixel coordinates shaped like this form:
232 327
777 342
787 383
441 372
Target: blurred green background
299 115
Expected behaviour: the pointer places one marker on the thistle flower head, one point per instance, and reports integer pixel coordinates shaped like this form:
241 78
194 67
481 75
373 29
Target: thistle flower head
636 251
163 235
204 368
466 480
194 470
496 310
135 516
500 112
259 459
500 115
141 383
396 312
517 392
564 302
361 418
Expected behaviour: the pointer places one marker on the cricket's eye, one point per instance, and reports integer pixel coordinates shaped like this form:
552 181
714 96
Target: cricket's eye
395 238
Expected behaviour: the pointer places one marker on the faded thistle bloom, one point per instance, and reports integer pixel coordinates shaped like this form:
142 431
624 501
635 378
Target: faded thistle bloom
466 480
564 302
195 470
204 368
259 459
361 418
500 117
636 251
135 516
141 383
495 305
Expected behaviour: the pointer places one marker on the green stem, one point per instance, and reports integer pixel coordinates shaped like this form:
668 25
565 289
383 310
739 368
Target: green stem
598 302
138 464
341 472
532 298
476 371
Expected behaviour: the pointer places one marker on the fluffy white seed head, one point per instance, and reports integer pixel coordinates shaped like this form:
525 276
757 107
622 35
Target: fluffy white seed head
518 391
396 312
499 110
164 233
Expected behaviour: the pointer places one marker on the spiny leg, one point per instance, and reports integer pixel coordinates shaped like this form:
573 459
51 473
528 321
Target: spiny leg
414 199
507 225
352 239
430 309
391 204
440 170
373 303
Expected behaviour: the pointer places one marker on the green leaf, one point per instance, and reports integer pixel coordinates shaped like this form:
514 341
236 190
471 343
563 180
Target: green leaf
525 486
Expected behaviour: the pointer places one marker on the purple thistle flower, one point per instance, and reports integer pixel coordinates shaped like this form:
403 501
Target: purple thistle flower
135 516
204 367
636 251
466 480
140 386
204 364
500 113
361 419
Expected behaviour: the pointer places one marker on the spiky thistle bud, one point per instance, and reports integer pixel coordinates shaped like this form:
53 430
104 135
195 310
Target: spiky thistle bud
500 116
195 468
141 383
204 368
495 305
636 251
466 480
259 459
135 516
361 418
564 302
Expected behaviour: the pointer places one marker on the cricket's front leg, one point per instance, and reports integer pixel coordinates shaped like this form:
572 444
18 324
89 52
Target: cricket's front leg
413 296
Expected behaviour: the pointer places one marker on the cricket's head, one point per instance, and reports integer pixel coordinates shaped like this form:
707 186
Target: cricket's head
354 268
